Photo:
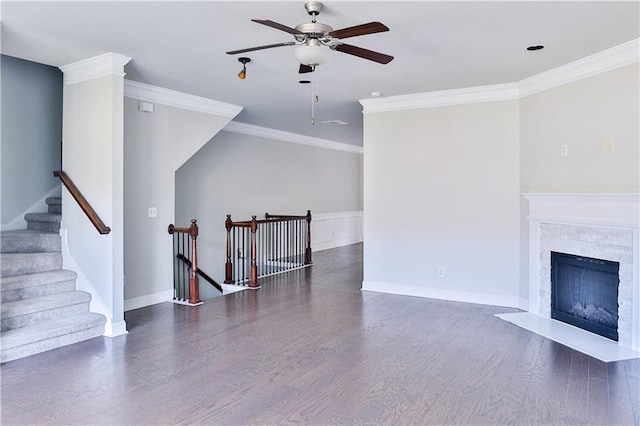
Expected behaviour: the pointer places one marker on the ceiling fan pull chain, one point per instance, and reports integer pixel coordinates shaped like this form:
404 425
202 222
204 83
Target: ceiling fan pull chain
313 105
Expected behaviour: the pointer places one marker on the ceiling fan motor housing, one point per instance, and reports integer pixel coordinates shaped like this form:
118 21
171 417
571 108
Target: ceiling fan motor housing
314 30
313 7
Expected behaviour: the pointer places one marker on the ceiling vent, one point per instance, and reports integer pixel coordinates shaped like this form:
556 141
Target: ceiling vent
334 122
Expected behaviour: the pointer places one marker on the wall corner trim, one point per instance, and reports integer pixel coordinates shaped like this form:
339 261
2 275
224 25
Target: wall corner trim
92 68
173 98
607 60
265 132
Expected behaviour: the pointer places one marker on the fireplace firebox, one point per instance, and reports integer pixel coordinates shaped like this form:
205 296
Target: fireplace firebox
584 293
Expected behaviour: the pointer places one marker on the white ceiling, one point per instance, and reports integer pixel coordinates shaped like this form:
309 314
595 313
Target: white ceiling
437 45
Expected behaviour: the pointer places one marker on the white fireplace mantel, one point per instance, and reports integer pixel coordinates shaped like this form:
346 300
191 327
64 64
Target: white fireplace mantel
586 221
601 209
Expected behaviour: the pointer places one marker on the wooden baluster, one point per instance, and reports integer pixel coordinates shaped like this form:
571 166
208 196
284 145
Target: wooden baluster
194 287
253 279
307 257
228 266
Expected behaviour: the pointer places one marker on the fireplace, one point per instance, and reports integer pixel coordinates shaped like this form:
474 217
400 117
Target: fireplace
596 226
584 293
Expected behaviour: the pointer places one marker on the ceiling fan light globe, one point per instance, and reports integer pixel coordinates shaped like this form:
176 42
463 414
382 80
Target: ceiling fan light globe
312 55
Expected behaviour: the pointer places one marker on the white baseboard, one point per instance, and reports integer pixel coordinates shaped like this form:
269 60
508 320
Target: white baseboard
436 293
523 304
39 206
331 230
148 300
115 329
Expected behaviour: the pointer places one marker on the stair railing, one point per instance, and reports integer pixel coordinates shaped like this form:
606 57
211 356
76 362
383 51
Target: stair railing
82 202
185 264
259 248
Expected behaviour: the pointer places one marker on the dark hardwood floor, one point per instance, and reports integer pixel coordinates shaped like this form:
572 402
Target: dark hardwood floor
311 348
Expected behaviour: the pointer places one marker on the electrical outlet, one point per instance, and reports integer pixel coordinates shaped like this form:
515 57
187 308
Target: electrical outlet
564 150
441 272
607 145
152 212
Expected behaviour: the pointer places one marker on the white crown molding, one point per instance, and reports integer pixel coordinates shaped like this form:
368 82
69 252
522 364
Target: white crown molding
265 132
92 68
499 92
160 95
607 60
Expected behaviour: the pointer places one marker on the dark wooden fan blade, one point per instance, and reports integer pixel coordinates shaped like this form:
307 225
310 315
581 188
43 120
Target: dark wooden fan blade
364 53
370 28
305 68
277 26
267 46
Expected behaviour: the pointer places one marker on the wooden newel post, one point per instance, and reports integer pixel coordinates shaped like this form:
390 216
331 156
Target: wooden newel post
307 253
228 266
253 273
194 287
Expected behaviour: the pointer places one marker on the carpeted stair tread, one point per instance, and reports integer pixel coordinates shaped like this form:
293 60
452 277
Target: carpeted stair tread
28 312
54 205
48 222
29 241
43 217
29 263
36 285
43 303
38 338
40 308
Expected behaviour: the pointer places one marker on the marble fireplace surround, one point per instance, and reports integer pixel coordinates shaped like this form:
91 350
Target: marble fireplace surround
598 225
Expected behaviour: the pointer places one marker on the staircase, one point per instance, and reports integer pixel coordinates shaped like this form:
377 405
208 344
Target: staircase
40 308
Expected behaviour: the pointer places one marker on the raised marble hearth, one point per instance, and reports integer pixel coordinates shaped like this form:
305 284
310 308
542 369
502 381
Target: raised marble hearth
601 226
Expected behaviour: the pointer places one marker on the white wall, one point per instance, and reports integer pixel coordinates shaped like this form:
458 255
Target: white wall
156 145
441 191
31 135
585 115
245 175
432 167
93 159
598 119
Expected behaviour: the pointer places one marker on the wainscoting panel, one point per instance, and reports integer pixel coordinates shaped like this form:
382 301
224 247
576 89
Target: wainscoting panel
330 230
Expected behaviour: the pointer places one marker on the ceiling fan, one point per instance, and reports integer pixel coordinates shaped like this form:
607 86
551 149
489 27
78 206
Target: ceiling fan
314 40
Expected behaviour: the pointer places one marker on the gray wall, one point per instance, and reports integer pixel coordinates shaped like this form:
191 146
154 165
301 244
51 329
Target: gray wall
245 175
31 133
155 146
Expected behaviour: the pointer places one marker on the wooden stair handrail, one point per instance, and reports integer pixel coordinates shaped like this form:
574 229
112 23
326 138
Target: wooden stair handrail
82 202
206 277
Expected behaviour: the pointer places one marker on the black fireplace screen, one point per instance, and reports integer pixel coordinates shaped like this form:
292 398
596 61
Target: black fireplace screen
584 293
